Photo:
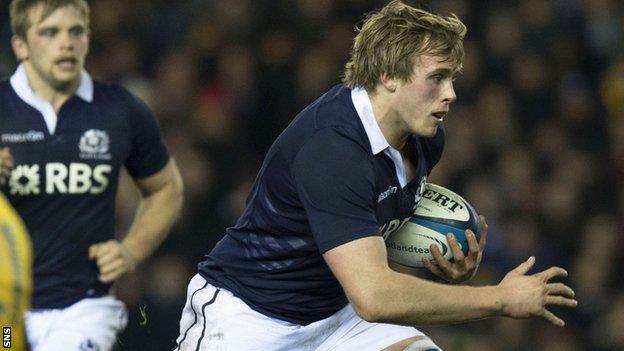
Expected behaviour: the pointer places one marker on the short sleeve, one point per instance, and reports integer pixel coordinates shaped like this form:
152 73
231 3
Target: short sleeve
148 153
335 180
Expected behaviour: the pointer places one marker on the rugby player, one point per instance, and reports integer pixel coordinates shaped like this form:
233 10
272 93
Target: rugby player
305 267
69 137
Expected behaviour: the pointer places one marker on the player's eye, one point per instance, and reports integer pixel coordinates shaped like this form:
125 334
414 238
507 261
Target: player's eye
437 78
76 31
48 32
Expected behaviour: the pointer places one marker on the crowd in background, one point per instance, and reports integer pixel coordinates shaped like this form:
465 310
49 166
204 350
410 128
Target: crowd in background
535 140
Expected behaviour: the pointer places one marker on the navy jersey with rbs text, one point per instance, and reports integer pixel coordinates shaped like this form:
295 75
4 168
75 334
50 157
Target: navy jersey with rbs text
328 179
65 176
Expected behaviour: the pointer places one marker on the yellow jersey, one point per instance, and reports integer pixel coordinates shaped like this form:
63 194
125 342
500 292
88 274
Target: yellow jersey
15 277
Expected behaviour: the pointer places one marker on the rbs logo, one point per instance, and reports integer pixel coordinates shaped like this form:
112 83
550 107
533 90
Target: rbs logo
78 178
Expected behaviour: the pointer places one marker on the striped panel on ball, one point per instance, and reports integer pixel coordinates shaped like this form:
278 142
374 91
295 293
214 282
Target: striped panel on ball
444 229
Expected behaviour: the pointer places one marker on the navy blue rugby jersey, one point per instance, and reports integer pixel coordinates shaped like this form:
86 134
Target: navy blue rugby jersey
323 183
65 176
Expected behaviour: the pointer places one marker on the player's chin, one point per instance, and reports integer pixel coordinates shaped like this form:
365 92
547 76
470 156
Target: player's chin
427 132
62 79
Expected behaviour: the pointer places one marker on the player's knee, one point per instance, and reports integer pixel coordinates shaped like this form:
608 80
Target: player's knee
416 343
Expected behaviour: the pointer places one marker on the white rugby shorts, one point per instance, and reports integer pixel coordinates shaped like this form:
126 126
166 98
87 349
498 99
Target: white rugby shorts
90 324
214 319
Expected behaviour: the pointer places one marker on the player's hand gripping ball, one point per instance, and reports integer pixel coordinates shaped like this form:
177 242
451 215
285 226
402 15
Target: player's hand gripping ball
439 212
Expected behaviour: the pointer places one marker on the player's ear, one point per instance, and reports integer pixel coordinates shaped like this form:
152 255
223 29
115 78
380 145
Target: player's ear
388 82
20 47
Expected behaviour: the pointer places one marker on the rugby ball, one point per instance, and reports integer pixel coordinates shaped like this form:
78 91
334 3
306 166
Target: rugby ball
440 211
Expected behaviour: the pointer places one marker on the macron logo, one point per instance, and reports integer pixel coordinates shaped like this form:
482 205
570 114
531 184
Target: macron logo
391 190
30 136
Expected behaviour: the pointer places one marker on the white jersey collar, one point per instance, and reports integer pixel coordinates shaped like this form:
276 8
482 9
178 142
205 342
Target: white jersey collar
21 86
364 109
377 140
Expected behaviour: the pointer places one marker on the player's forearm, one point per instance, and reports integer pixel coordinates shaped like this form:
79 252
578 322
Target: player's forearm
406 300
155 216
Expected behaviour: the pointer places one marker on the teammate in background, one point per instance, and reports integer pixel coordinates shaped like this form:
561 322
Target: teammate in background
305 266
69 137
15 272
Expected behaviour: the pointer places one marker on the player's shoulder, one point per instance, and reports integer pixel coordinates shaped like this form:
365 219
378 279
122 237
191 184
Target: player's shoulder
340 140
106 90
5 84
118 97
6 91
329 123
10 102
335 108
333 116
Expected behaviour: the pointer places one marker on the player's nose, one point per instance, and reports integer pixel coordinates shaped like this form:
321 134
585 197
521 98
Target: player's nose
449 95
66 41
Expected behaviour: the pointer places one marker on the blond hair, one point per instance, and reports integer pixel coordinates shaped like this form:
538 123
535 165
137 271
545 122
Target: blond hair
390 40
19 12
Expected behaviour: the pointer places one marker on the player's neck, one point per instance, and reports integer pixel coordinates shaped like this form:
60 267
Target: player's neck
55 95
388 122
